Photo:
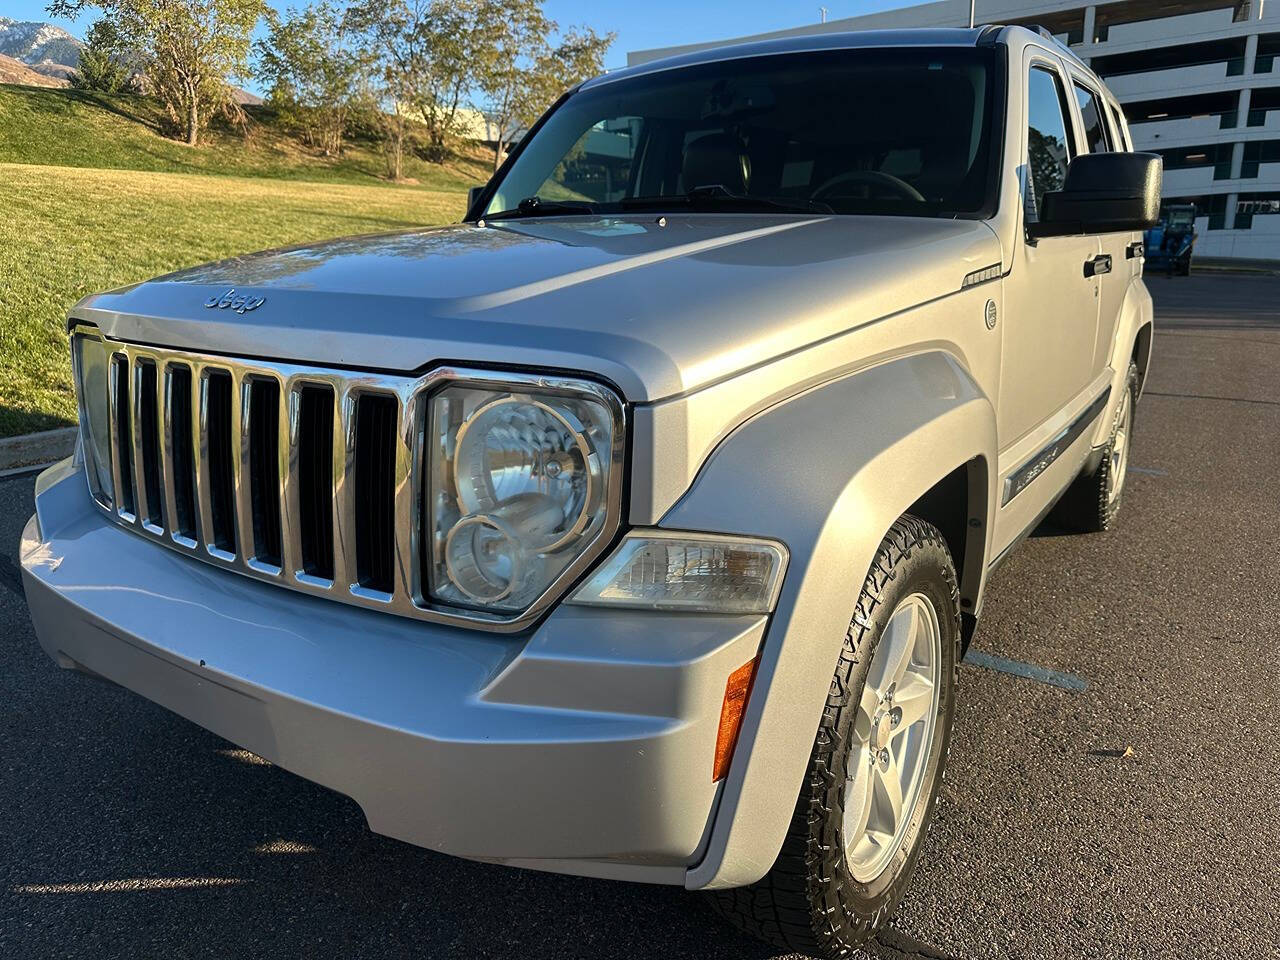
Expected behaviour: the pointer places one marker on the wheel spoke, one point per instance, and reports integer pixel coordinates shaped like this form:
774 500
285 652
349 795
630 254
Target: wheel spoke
888 796
897 644
914 697
857 797
868 704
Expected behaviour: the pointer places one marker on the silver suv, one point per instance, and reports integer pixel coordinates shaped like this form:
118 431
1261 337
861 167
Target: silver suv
634 527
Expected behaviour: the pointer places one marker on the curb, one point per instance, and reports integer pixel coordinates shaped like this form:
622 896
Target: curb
37 448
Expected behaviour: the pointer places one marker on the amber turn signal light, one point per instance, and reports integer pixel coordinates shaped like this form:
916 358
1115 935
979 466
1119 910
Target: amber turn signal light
736 691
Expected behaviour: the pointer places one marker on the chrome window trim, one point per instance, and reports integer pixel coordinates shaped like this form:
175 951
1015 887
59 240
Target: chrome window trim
409 597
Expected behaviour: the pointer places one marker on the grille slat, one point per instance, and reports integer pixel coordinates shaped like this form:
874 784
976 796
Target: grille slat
263 463
408 495
219 463
344 492
375 465
290 514
122 437
308 477
146 443
181 416
315 480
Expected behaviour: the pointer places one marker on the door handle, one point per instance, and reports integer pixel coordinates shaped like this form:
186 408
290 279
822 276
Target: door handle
1134 250
1097 265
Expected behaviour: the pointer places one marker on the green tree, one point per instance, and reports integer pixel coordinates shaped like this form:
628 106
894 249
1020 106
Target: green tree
311 72
189 50
522 71
106 62
421 53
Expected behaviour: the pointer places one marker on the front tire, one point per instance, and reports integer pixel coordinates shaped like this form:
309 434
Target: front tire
876 768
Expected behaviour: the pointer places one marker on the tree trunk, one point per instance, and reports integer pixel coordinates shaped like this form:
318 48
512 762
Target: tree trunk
192 90
498 149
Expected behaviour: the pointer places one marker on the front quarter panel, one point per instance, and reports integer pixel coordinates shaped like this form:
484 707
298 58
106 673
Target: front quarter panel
827 473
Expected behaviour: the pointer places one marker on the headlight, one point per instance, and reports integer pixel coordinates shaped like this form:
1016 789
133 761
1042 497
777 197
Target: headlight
92 365
523 483
698 573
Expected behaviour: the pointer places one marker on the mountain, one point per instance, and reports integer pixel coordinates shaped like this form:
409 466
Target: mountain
53 55
15 71
43 47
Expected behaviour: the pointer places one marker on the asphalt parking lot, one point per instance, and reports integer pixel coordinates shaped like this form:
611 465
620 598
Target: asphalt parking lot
1138 817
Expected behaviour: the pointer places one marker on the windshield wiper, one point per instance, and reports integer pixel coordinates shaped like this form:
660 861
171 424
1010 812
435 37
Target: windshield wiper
719 198
535 206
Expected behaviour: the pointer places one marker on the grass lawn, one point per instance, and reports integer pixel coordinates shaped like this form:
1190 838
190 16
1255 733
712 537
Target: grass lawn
66 231
80 128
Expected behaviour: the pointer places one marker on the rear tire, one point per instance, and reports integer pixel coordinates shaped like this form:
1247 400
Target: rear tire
847 858
1092 502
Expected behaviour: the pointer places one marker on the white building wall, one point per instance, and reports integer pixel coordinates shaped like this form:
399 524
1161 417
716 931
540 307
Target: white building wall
1213 21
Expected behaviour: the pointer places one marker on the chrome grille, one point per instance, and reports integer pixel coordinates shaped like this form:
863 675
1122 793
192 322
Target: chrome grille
310 478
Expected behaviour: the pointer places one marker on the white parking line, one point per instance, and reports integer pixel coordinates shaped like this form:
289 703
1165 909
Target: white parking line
1030 671
135 885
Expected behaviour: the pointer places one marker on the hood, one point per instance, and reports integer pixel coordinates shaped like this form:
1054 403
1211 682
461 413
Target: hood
659 306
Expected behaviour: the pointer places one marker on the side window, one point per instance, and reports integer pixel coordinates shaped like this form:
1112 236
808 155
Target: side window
1048 144
1095 129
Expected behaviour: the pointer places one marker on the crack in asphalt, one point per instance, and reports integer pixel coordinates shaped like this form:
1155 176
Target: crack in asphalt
1201 396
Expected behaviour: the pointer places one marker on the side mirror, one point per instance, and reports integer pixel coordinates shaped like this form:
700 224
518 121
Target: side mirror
473 195
1103 193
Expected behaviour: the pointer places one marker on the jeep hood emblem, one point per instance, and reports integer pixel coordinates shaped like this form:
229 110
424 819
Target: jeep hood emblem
240 304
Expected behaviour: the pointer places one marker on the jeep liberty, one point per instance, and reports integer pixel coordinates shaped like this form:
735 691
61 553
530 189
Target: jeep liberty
635 526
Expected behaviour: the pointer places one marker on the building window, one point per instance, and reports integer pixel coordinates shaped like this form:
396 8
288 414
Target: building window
1264 100
1250 205
1216 155
1268 50
1224 105
1181 55
1256 153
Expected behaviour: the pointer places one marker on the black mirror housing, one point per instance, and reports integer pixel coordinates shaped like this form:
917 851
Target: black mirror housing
473 196
1103 193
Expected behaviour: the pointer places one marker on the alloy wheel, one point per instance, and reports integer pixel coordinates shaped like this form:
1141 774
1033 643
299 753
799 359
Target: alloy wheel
893 732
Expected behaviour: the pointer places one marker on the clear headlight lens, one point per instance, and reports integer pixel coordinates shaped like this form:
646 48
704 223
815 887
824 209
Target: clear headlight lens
92 368
520 488
701 573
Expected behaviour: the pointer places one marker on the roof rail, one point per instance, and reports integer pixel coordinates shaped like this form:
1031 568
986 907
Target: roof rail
1046 35
990 33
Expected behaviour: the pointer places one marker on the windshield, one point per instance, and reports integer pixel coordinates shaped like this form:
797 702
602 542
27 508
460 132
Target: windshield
902 131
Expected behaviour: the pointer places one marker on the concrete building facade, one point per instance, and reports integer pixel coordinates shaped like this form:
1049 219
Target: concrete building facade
1199 81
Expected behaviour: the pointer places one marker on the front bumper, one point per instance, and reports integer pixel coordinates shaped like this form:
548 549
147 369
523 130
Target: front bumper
584 747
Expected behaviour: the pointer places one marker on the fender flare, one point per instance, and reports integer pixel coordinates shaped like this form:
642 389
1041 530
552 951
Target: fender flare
827 473
1136 315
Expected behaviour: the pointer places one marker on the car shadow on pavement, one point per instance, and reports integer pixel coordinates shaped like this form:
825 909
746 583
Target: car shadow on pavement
138 834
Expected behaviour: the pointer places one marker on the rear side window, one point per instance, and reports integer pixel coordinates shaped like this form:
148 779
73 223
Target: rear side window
1095 129
1048 147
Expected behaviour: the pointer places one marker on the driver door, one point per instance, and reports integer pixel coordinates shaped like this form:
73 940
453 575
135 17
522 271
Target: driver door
1051 315
1052 293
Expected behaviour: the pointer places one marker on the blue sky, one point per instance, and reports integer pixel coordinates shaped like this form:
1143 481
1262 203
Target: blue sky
639 25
